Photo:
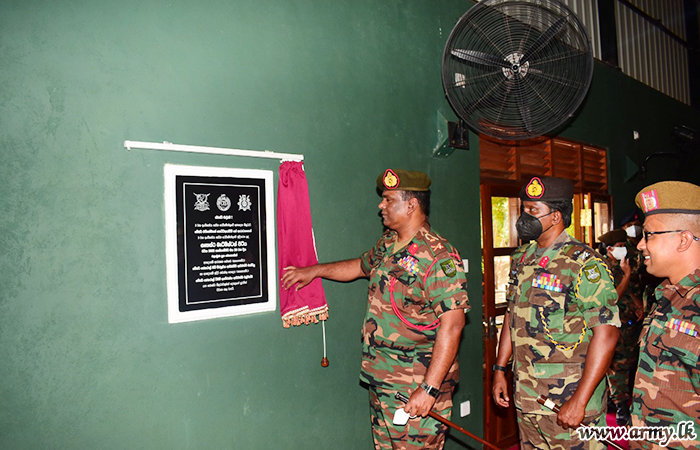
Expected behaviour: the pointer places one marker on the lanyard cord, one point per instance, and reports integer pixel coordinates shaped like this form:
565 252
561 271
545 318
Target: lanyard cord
420 328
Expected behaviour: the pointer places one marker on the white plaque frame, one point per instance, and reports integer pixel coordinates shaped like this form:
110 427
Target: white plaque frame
171 171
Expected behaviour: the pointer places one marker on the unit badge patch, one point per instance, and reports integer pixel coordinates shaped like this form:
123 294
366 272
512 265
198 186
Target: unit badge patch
592 274
549 282
449 268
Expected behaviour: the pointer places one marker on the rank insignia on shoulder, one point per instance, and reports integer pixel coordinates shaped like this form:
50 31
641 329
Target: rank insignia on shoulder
549 282
682 326
592 273
584 255
448 266
409 264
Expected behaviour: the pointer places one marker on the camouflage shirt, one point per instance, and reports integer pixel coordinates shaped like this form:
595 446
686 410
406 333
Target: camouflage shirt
428 280
667 385
555 298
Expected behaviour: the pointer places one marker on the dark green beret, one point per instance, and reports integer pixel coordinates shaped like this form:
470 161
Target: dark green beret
669 197
403 180
547 189
613 237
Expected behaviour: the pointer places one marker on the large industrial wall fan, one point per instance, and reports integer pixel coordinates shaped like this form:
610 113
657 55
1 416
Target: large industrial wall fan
517 69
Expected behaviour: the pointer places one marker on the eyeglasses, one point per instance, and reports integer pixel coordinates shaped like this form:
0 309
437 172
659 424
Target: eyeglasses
647 234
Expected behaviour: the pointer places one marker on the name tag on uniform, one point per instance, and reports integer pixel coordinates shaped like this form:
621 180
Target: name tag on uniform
548 282
682 326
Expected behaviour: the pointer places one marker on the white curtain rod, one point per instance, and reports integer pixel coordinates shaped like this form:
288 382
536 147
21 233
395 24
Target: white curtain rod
213 150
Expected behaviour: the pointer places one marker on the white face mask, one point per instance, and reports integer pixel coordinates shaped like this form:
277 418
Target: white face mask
634 231
619 253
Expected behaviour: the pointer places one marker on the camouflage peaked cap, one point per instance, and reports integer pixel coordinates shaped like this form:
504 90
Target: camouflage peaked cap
613 237
547 189
669 197
403 180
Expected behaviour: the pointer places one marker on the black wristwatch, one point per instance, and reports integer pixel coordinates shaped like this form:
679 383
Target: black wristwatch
431 390
501 368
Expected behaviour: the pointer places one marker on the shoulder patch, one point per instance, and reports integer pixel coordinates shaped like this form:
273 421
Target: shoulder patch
448 266
592 273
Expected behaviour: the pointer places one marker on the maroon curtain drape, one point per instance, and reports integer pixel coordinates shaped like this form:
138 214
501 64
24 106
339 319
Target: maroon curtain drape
296 247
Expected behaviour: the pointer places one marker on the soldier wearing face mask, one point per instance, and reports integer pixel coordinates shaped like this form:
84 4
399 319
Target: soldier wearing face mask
561 325
613 244
641 284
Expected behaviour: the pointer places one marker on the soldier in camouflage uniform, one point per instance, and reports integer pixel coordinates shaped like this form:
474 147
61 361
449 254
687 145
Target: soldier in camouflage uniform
624 362
642 284
667 384
561 325
415 314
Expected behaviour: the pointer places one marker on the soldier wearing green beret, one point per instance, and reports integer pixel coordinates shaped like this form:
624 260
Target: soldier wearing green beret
561 325
415 314
667 384
624 362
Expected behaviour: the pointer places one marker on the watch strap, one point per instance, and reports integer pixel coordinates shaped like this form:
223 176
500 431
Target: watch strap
431 390
501 368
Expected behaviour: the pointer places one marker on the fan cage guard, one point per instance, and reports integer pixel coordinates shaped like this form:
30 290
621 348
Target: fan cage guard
503 81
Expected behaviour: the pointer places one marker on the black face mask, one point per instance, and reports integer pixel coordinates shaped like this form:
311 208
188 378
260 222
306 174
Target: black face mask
529 227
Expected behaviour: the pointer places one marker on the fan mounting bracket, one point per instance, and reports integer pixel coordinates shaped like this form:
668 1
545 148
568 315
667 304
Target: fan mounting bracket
451 135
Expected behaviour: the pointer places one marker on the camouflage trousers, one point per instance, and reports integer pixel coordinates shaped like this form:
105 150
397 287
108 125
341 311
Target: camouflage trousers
418 433
541 432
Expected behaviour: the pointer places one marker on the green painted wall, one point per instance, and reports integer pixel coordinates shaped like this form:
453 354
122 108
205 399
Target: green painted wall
88 358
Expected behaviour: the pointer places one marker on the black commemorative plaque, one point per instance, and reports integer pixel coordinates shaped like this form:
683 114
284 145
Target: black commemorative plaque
221 241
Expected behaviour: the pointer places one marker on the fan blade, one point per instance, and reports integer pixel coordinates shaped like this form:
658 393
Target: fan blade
483 59
523 107
544 38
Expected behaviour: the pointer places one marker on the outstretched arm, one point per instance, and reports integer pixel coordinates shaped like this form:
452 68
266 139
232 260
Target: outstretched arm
347 270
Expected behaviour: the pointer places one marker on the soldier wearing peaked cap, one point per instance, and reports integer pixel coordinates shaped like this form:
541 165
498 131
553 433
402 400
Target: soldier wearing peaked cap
667 383
561 324
415 314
